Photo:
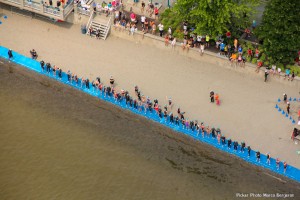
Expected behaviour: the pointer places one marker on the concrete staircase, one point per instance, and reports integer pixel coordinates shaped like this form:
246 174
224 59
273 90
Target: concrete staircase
101 23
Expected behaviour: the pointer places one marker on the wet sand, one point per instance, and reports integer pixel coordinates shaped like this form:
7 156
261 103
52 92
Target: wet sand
59 143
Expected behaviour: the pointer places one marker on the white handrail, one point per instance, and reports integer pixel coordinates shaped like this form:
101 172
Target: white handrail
90 21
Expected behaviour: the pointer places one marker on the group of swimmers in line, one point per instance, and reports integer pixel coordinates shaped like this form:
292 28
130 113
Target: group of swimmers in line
144 104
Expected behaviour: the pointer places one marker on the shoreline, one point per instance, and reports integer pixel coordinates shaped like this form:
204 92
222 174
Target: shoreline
292 172
103 147
247 111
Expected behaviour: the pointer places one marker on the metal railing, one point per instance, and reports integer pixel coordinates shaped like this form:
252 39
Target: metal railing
90 21
52 11
68 8
38 7
83 11
15 1
33 5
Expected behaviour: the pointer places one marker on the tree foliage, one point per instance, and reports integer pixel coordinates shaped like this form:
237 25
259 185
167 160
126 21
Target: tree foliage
280 30
215 17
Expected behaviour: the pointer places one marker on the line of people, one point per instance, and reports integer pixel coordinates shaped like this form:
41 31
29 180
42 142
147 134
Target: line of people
164 114
147 106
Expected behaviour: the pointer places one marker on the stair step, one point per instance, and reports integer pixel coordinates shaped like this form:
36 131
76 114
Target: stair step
104 29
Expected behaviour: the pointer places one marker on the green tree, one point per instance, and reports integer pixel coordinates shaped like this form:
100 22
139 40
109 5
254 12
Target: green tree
280 30
215 17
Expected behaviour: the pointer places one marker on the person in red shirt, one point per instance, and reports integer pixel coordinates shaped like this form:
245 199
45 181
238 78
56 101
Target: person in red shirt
256 53
156 12
249 52
228 34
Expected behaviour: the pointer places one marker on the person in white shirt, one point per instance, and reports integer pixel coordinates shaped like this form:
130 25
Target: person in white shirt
170 31
173 43
273 71
143 18
201 50
161 29
279 71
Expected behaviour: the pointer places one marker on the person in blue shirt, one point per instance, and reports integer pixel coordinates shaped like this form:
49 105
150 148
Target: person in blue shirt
222 48
240 50
287 73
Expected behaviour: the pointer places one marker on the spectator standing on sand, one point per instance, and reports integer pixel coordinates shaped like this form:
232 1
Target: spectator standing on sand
259 65
170 31
273 69
153 26
201 49
111 81
288 108
166 40
161 29
212 96
266 74
279 71
235 44
143 18
146 26
284 97
292 76
173 43
287 74
207 38
217 99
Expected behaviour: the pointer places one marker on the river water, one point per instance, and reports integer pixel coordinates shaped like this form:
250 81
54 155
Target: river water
59 143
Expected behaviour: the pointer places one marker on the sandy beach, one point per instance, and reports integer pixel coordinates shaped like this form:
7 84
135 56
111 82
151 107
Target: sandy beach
247 103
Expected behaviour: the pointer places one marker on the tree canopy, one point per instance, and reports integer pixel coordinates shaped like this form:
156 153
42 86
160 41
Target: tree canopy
280 30
215 17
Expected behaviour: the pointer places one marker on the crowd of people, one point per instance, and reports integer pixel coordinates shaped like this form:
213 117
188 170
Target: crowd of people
146 106
234 52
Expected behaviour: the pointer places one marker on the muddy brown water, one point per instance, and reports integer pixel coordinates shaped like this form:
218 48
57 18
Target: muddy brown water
59 143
